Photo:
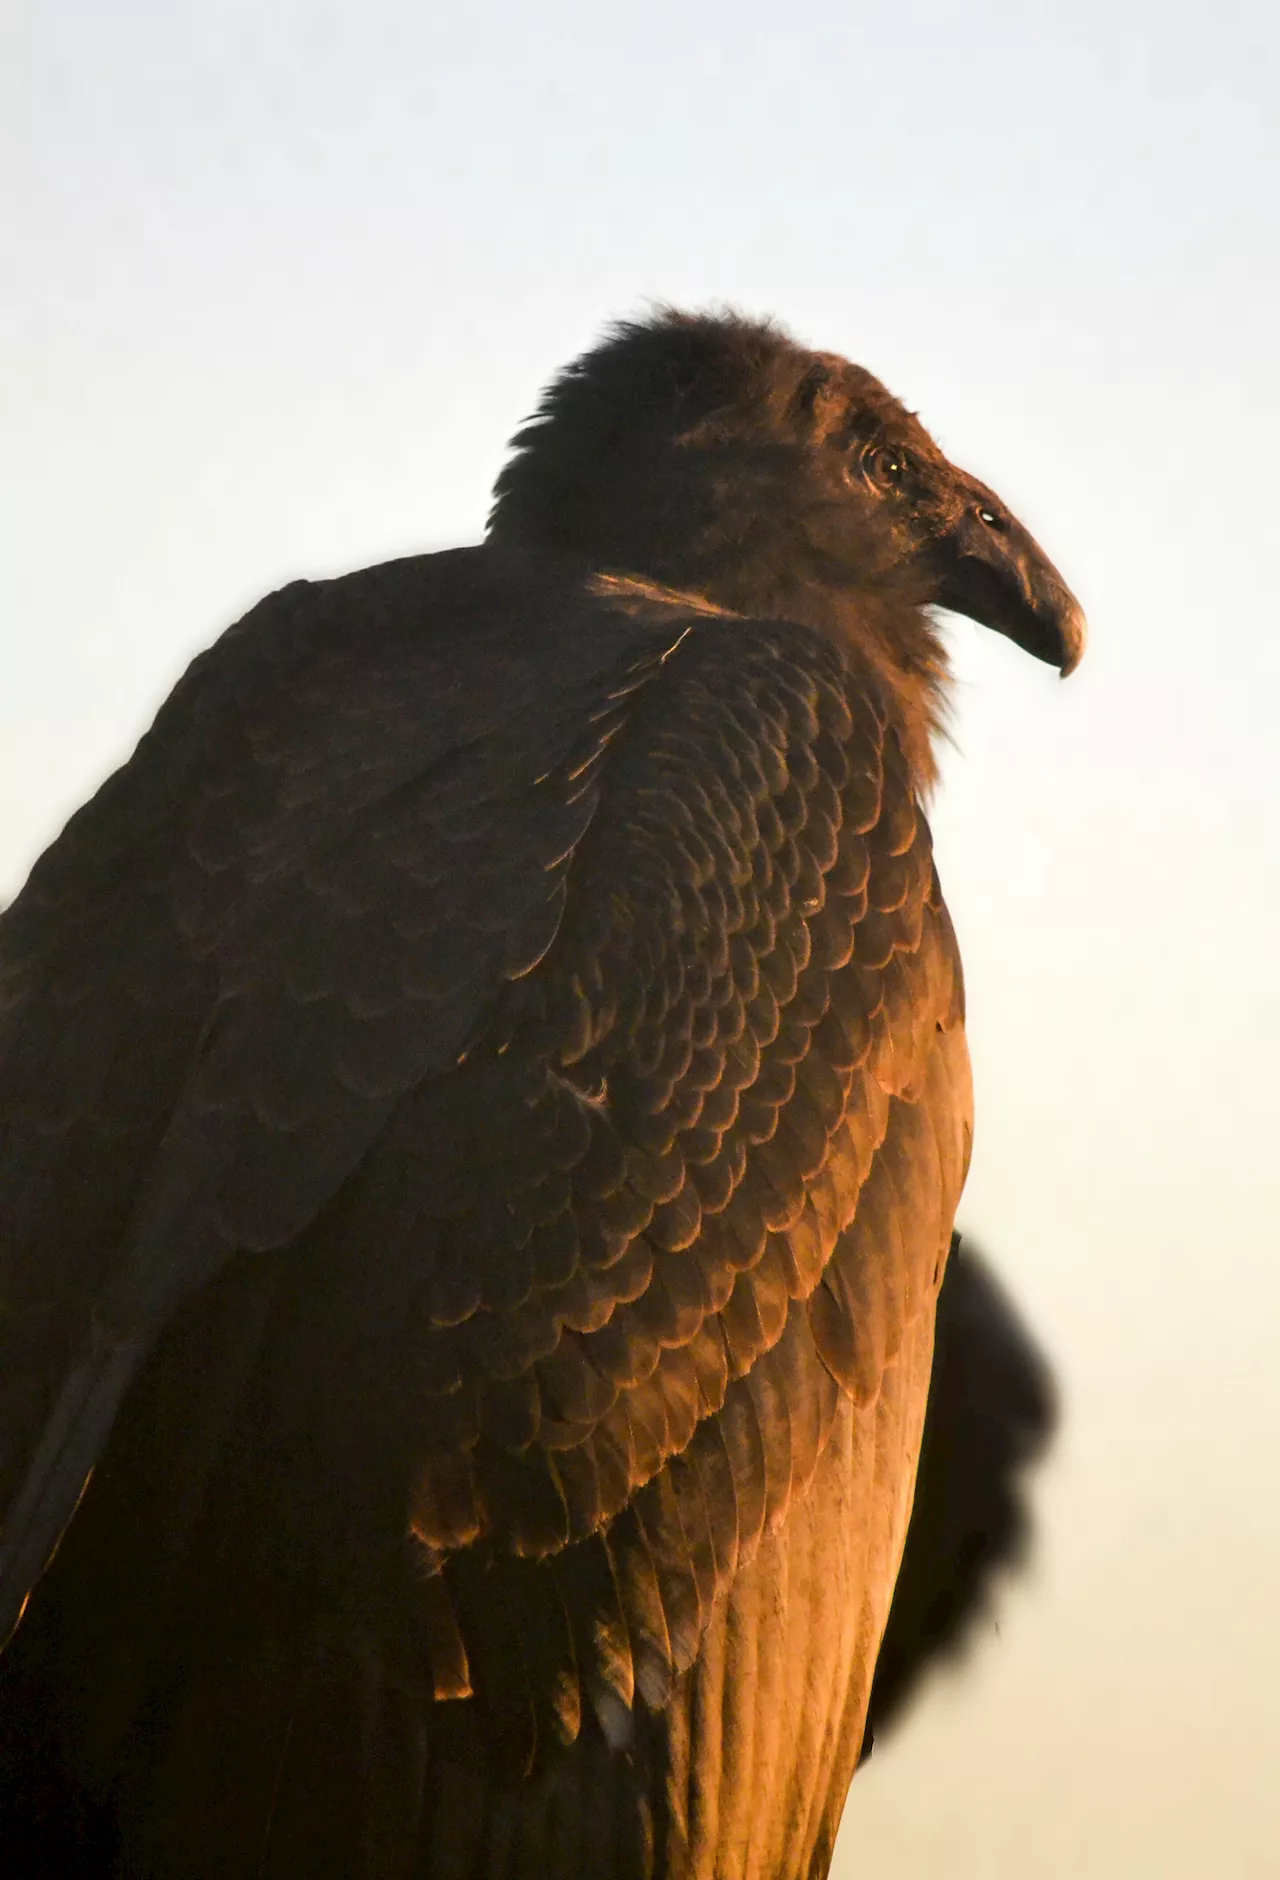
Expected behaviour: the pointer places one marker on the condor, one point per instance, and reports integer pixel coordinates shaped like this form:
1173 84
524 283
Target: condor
485 1100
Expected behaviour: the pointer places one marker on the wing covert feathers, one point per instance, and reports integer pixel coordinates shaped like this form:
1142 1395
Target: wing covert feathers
584 1078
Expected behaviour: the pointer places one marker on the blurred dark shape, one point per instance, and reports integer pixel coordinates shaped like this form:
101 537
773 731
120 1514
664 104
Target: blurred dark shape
993 1412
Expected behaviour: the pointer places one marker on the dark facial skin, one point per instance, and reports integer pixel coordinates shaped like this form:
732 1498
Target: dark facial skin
973 555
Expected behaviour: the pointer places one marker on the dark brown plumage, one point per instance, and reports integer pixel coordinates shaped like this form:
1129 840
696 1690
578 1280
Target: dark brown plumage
486 1100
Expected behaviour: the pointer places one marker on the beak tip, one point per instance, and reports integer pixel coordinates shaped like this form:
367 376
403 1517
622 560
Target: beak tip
1075 637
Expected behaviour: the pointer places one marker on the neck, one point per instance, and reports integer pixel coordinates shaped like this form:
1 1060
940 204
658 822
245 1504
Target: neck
892 633
744 571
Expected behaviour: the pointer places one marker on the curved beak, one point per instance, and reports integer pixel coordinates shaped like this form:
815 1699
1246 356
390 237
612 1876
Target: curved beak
991 569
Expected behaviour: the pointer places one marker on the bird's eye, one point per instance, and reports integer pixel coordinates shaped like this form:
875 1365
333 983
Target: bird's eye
884 467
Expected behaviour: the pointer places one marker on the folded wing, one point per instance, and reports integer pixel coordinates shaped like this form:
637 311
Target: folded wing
489 1101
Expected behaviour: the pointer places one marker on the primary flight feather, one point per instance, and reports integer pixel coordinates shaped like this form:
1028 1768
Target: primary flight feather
484 1103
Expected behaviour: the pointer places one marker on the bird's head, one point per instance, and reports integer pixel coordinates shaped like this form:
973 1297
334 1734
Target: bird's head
711 453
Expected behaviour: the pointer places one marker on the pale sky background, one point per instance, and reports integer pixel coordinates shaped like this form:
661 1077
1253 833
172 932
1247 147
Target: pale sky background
283 278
